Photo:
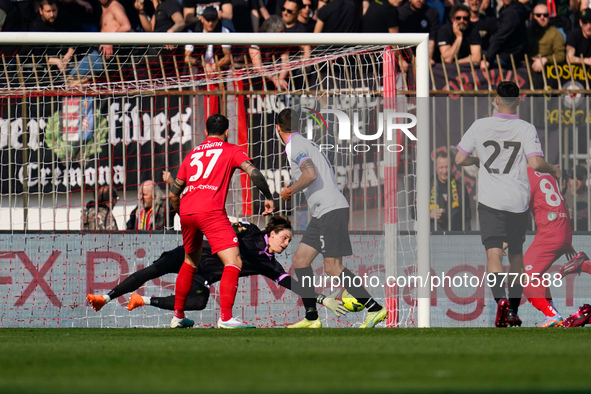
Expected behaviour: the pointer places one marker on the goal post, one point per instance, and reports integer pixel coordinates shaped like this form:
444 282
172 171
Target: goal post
162 127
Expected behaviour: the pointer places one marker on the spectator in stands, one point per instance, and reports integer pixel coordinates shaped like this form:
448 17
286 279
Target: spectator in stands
193 10
258 55
577 194
113 20
578 42
544 42
168 16
289 14
485 25
99 215
380 17
415 16
258 12
47 21
214 57
307 16
445 189
150 214
10 20
459 38
510 39
338 16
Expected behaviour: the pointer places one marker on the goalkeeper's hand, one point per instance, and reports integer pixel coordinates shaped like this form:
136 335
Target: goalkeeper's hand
331 302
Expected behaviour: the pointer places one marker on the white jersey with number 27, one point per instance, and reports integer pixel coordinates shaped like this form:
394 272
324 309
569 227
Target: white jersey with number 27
503 144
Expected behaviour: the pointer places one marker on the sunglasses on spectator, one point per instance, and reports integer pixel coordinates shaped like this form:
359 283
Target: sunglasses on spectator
585 22
288 11
306 5
459 18
541 15
211 19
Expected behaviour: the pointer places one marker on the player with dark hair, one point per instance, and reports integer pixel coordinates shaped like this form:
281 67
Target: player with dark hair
257 249
553 239
507 144
328 230
203 180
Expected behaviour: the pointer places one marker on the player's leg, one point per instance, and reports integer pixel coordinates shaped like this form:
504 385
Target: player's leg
196 299
168 262
192 242
302 260
540 255
493 233
516 229
579 263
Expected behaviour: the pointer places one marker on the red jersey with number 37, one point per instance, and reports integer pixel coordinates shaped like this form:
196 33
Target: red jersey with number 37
207 172
548 207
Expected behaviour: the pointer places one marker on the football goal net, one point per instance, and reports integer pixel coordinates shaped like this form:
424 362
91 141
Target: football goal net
94 118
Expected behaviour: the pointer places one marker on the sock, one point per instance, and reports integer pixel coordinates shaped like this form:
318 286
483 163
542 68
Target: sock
184 281
515 293
107 298
586 267
146 300
536 295
308 292
358 291
228 288
498 290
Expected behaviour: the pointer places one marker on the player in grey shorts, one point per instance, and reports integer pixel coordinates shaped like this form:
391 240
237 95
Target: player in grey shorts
328 230
506 145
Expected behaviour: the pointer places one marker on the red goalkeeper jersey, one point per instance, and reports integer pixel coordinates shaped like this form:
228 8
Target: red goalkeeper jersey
207 171
548 207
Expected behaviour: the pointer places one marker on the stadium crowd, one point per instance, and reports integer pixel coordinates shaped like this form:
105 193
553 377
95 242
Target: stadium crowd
482 32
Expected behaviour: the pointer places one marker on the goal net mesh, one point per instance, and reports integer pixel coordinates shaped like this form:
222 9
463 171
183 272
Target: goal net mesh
69 129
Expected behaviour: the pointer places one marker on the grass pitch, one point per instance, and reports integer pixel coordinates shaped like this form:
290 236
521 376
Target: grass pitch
297 361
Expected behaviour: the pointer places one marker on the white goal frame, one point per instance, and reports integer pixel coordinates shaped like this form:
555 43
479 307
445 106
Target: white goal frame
421 41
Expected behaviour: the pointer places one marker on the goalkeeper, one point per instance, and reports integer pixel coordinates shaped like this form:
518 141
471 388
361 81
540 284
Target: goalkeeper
257 249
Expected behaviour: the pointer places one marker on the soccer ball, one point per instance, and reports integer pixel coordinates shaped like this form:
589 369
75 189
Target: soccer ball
351 302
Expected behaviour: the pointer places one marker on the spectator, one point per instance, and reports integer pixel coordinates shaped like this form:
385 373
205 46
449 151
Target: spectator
99 215
577 195
10 20
168 16
578 42
209 23
258 12
459 38
150 214
338 16
307 16
485 25
380 17
289 14
444 190
545 43
47 21
415 16
260 54
193 10
510 39
113 20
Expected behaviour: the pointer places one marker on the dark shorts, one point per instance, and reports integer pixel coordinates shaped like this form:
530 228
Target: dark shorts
502 226
329 234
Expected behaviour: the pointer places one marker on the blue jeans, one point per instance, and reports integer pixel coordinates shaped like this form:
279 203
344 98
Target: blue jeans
93 61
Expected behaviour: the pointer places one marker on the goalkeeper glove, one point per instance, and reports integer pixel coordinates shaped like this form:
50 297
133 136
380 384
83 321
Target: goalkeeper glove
331 302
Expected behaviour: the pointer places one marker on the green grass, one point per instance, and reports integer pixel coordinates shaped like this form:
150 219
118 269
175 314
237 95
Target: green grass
298 361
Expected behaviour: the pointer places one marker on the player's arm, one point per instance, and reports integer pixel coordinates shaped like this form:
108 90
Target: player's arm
260 182
539 164
464 160
175 194
309 175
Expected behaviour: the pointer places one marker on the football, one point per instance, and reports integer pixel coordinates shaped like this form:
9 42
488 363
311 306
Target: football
351 302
